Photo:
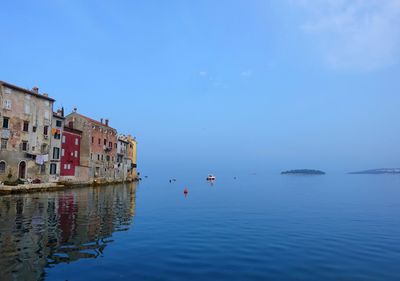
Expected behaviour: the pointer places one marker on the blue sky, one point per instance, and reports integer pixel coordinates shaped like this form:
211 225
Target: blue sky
240 85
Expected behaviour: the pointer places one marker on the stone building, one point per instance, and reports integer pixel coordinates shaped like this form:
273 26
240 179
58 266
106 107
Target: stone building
123 163
132 156
98 150
25 121
57 125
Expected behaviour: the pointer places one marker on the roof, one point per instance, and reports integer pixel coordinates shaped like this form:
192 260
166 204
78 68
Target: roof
58 116
72 130
26 91
93 121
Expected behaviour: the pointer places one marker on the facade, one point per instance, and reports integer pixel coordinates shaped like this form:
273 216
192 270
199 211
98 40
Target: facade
123 163
98 149
57 125
25 121
70 153
132 172
39 145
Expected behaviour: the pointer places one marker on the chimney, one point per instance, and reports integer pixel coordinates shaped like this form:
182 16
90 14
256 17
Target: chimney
106 122
101 120
75 109
35 89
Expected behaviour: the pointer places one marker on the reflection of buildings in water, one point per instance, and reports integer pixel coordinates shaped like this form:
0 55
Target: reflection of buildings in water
44 229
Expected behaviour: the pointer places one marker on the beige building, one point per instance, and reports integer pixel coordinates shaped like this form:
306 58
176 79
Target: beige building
132 156
57 126
25 122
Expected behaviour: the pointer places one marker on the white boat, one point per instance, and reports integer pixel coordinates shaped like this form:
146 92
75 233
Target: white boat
211 178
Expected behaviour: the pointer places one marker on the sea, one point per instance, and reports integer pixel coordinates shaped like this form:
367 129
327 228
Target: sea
244 226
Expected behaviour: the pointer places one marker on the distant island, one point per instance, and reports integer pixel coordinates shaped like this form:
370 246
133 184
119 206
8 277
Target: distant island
378 171
303 172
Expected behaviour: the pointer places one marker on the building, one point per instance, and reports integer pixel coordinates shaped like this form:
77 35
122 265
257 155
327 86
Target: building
70 154
57 125
122 166
25 121
98 148
132 172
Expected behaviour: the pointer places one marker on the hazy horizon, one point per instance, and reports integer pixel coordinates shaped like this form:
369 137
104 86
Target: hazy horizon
237 85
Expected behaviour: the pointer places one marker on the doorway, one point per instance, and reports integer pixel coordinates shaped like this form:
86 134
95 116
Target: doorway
21 170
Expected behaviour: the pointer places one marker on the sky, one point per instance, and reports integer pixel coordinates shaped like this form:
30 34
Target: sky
240 85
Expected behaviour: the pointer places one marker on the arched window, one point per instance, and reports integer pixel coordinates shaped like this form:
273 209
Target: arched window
2 167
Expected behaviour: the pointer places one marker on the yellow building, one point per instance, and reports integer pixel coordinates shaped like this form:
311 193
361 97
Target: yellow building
132 155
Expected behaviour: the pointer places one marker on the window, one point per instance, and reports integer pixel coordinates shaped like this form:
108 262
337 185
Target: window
69 166
112 158
99 141
115 145
76 154
92 139
108 157
2 167
6 122
76 141
33 148
7 104
71 124
3 143
62 152
58 123
42 169
34 129
105 142
46 115
91 156
45 130
98 156
110 144
7 90
27 108
57 135
24 146
63 139
53 168
26 126
102 157
56 153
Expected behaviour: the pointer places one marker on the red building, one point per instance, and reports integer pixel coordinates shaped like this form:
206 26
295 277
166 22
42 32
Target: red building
70 151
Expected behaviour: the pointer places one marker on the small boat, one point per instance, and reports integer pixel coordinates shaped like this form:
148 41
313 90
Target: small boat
211 178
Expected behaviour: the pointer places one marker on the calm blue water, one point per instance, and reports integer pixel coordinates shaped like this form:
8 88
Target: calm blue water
257 227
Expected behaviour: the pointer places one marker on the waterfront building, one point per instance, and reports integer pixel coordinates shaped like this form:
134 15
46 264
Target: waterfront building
132 173
70 155
57 125
122 165
98 148
25 121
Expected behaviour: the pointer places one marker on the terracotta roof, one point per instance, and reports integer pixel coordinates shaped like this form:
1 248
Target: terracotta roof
93 121
25 91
